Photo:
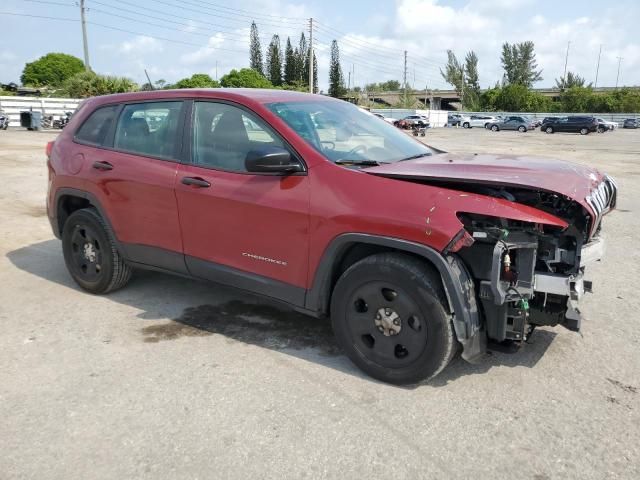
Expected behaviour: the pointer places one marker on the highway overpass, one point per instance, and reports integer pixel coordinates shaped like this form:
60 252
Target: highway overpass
441 99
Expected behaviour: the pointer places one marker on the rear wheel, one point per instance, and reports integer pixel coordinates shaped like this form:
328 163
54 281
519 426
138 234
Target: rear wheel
522 129
466 125
494 128
388 314
584 131
601 129
548 130
91 255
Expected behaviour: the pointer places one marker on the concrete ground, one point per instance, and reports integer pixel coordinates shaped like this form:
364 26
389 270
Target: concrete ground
171 378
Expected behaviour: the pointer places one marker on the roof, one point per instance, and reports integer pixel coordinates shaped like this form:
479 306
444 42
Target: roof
258 95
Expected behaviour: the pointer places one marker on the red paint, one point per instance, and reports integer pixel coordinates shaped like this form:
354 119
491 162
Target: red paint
290 219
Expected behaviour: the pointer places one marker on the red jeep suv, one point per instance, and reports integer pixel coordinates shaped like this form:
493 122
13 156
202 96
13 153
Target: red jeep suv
410 251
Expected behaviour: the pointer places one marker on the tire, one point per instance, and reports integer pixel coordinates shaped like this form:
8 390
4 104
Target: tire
522 129
466 125
495 128
90 253
548 130
584 131
388 314
602 129
486 125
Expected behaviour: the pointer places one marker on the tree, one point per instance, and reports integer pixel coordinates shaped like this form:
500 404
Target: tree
336 78
452 73
302 64
197 80
520 65
90 84
290 64
472 81
274 61
245 78
572 80
315 72
51 70
518 98
255 50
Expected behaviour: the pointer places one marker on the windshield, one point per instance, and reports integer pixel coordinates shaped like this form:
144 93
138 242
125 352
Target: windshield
344 133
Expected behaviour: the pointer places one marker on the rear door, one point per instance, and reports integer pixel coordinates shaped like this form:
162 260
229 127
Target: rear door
133 177
240 228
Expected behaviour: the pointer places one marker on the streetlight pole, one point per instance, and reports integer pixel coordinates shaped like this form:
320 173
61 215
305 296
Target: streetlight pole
618 75
566 60
598 67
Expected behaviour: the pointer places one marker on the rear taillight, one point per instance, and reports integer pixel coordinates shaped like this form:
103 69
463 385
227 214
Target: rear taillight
49 148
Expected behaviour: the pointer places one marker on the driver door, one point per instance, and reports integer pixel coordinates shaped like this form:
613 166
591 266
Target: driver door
245 229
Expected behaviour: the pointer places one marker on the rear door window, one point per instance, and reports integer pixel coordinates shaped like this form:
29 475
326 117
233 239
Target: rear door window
94 130
149 129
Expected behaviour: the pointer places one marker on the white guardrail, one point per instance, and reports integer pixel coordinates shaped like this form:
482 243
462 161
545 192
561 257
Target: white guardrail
57 107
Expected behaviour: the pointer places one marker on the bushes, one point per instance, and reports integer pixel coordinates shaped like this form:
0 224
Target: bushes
89 84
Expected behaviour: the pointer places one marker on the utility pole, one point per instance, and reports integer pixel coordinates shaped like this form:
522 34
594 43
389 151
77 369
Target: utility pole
462 87
426 89
566 59
311 55
84 36
216 70
404 78
349 82
618 75
598 67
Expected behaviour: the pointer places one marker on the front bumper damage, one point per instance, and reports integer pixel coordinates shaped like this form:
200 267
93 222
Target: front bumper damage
513 307
572 286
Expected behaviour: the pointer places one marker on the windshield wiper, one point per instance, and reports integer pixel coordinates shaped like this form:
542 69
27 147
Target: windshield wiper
413 157
366 163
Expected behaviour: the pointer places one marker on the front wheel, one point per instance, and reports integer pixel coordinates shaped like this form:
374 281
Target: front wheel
548 130
389 314
584 131
90 253
494 128
466 125
601 129
522 129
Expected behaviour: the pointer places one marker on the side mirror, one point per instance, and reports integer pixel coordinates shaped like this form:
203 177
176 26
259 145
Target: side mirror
273 160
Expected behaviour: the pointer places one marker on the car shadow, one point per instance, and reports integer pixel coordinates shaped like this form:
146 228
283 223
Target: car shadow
173 307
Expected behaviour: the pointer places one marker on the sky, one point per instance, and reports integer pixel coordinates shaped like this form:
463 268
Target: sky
173 39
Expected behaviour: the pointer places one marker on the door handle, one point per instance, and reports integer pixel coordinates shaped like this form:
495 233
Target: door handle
102 166
195 182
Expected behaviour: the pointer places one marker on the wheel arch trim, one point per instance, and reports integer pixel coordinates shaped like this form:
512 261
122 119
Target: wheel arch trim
457 282
93 201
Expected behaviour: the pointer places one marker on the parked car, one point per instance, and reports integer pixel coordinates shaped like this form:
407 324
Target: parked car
4 121
631 123
478 121
608 125
413 120
311 201
576 124
521 124
386 119
456 119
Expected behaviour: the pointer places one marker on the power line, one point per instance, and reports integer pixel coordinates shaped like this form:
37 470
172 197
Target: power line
252 14
202 12
186 25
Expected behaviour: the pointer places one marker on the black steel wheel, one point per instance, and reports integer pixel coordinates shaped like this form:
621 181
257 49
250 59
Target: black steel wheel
389 314
91 255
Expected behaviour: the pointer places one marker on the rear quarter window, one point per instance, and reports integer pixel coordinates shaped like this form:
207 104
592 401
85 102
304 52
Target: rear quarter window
95 128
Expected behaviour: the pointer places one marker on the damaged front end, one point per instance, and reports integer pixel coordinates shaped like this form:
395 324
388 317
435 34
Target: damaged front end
529 274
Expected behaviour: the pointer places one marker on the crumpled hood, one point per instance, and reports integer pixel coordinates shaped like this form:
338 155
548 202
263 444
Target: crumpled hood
569 179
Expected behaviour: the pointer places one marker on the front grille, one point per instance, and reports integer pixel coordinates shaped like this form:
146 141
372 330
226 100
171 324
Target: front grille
602 199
